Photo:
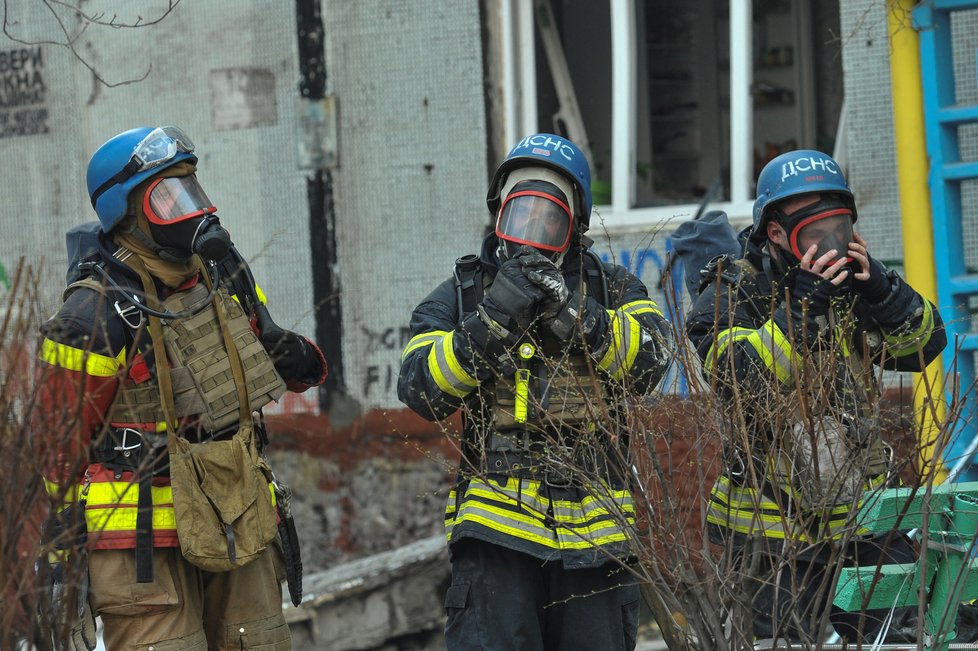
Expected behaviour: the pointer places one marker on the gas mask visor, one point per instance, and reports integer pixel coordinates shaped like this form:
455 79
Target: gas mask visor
536 213
176 199
828 227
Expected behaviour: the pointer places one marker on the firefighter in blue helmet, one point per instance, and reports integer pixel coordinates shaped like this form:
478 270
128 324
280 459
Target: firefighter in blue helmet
792 335
539 344
165 340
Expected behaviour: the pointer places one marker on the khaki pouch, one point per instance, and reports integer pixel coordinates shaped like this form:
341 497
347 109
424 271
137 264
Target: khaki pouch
221 499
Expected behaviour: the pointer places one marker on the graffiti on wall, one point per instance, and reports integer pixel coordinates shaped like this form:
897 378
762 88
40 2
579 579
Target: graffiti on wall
23 93
380 379
635 261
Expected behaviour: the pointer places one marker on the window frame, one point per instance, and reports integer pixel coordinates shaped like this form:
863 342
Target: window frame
621 215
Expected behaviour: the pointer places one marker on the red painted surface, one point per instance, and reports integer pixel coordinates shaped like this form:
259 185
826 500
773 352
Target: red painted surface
399 434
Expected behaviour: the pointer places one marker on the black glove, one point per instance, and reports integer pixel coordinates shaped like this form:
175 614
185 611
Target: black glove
512 301
876 288
810 293
543 273
68 577
292 355
77 616
581 322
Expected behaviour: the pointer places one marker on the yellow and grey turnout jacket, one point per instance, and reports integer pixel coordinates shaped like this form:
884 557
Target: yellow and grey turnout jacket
544 454
753 350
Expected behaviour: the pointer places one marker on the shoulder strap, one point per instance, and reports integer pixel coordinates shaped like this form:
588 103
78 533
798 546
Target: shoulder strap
122 304
740 274
468 284
597 279
88 282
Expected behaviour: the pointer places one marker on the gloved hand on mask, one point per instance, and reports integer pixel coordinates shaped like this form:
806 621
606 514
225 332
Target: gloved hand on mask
565 313
292 355
870 277
512 301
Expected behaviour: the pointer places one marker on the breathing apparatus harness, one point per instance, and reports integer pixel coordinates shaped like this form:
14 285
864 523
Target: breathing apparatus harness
470 278
132 295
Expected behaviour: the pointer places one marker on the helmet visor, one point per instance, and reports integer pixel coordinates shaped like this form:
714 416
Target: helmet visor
536 218
830 229
175 199
159 146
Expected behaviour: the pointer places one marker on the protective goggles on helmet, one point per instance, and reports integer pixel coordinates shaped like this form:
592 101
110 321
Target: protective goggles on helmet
158 147
175 199
536 213
827 223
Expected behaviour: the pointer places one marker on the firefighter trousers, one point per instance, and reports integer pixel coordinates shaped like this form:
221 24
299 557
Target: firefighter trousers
502 599
186 608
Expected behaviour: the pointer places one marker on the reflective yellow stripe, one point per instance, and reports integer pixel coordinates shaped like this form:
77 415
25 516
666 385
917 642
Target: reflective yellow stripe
422 340
70 492
75 359
641 307
258 292
564 510
626 334
903 345
117 518
446 371
746 511
775 350
724 339
579 525
113 506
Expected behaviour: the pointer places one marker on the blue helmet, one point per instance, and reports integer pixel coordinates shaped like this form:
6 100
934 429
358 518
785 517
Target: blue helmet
126 160
793 173
556 153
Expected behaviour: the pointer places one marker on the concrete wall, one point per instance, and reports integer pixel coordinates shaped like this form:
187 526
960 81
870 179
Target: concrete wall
409 179
410 189
410 154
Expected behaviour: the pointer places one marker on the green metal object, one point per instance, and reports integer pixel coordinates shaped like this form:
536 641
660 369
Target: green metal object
947 573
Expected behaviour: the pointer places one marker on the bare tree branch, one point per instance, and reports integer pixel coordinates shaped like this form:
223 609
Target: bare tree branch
85 20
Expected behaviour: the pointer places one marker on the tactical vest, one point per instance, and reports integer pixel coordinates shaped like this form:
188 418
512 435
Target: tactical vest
548 390
203 385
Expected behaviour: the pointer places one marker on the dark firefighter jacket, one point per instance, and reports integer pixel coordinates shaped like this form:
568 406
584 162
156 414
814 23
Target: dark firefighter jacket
753 348
87 353
441 372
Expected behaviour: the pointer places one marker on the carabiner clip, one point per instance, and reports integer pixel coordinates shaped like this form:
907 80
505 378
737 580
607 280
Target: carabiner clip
124 446
126 313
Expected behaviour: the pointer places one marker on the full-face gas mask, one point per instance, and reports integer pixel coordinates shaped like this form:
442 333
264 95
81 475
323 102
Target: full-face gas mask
536 209
826 223
182 220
